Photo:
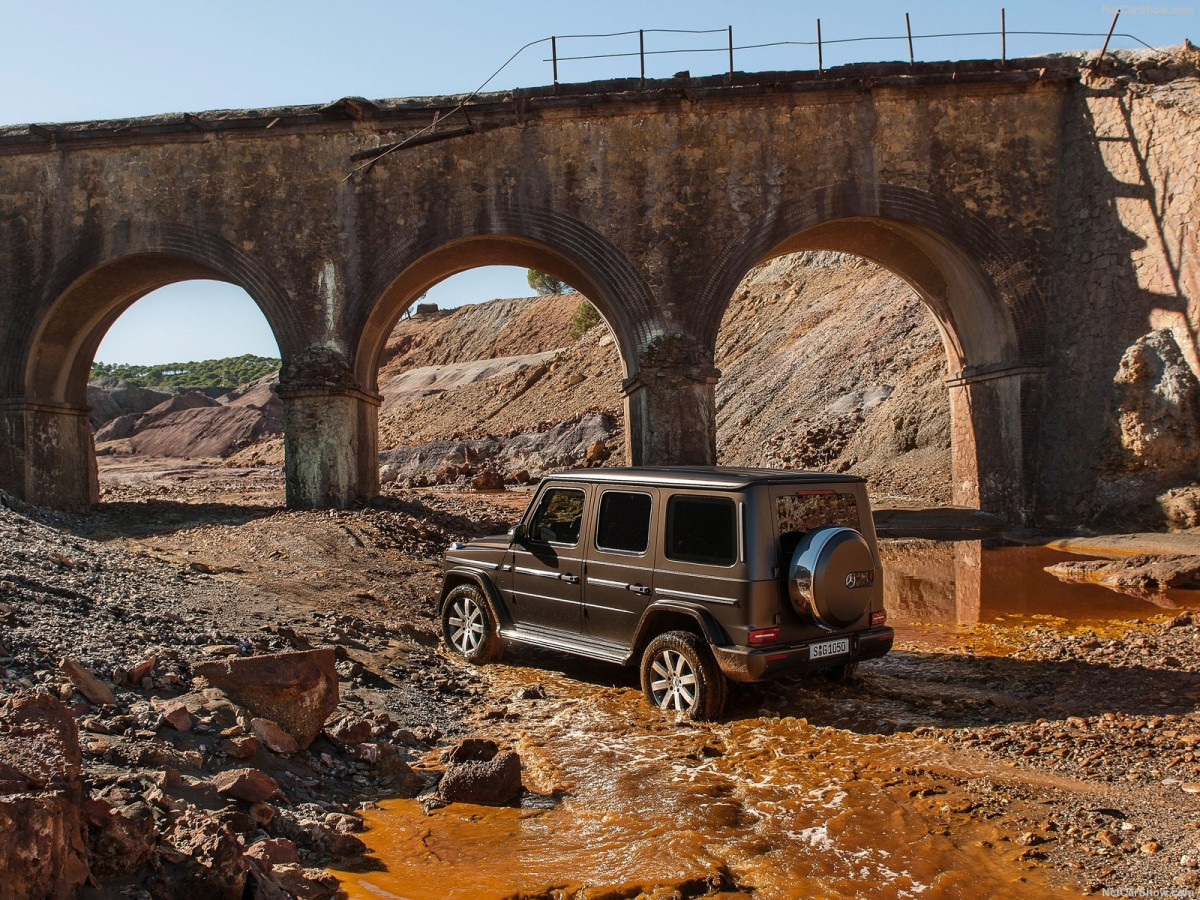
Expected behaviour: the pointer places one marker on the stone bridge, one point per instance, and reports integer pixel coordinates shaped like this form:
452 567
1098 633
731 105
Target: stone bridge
1046 216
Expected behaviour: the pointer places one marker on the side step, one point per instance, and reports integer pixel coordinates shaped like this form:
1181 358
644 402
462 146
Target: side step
567 643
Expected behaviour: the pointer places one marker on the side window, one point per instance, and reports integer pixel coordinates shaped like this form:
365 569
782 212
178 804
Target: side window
702 530
624 522
558 517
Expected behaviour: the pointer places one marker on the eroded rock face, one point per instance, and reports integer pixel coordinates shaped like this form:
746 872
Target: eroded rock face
1158 408
298 691
42 850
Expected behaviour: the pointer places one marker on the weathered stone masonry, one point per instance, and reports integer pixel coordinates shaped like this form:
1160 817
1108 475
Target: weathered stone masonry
1042 246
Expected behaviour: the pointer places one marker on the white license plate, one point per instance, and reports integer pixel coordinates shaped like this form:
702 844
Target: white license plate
829 648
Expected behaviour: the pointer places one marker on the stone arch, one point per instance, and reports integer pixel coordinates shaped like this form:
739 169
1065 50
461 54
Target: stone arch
90 288
473 235
51 454
989 311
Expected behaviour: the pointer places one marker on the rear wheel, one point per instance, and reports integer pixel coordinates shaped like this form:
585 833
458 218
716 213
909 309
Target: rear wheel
679 674
469 627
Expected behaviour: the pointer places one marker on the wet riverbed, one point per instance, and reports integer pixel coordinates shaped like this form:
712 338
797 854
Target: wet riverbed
809 789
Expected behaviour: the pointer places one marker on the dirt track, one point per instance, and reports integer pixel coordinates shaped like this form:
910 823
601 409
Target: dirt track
1050 757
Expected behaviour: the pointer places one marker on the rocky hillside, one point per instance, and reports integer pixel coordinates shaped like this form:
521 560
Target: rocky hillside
194 424
830 362
827 361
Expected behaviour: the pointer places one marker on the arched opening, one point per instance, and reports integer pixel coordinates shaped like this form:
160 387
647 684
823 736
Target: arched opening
59 446
993 385
486 379
831 362
186 373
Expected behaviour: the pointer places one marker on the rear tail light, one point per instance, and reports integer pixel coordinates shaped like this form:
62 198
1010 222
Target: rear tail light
878 618
763 635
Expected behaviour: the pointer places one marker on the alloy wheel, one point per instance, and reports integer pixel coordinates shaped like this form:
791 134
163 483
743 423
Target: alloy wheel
675 684
466 625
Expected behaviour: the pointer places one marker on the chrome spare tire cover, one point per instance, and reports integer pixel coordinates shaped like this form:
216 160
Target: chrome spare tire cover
832 576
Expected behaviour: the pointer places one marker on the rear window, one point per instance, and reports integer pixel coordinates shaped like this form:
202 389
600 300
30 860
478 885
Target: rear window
624 522
702 530
802 512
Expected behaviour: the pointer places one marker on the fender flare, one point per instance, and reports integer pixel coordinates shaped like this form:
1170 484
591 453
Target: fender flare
467 574
710 629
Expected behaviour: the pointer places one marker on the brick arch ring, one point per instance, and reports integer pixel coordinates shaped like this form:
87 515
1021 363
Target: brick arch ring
88 289
962 244
473 234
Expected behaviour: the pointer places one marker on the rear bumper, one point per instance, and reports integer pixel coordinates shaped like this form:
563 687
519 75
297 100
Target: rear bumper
761 664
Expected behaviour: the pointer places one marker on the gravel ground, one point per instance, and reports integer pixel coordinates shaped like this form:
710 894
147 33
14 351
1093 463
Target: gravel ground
1096 730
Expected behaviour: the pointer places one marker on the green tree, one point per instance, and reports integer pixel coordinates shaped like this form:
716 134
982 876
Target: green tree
545 283
225 373
585 317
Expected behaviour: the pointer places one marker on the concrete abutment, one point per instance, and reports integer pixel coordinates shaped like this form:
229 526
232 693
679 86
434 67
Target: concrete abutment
330 441
48 457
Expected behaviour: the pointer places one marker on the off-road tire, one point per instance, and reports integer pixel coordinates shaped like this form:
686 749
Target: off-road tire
680 674
469 626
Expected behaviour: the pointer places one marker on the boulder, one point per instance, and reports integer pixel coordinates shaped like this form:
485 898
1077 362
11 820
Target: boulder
272 852
95 690
250 785
297 690
306 884
315 836
479 773
488 480
119 840
349 730
259 885
199 857
272 736
1157 408
241 747
42 853
175 713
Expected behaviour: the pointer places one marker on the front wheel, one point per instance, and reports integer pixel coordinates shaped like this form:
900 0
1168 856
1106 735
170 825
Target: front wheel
680 674
469 627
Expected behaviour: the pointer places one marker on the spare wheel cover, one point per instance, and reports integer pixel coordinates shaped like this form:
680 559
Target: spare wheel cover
828 576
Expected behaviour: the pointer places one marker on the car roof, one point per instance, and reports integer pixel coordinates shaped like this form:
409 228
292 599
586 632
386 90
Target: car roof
725 477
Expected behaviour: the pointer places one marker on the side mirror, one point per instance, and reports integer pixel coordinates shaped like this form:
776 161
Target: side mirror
516 534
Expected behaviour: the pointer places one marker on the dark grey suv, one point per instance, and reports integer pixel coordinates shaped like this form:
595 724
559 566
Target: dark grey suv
696 574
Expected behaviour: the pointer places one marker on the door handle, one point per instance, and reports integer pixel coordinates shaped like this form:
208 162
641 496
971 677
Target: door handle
570 579
640 589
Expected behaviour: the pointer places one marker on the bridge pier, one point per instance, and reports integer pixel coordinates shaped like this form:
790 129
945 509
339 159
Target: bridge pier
670 405
330 443
47 457
994 411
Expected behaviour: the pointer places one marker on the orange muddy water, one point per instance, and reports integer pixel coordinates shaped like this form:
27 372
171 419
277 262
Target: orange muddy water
627 803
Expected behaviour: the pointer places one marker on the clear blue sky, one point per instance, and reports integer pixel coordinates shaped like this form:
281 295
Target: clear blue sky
67 60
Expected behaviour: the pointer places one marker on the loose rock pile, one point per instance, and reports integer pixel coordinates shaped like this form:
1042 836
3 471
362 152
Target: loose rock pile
166 732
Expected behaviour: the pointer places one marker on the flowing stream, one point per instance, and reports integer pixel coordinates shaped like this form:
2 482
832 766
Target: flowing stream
807 790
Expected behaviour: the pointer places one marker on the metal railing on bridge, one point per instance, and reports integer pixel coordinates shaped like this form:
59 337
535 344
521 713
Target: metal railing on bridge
816 46
731 50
